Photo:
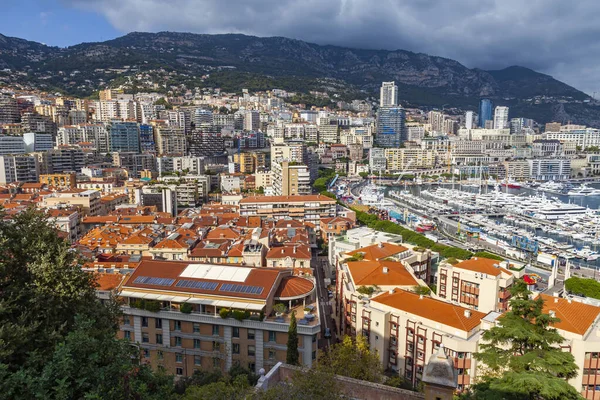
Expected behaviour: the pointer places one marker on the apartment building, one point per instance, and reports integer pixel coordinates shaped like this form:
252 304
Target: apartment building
310 208
11 145
399 160
191 325
479 283
88 200
19 168
290 179
60 181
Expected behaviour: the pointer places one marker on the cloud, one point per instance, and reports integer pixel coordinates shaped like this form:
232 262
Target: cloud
551 36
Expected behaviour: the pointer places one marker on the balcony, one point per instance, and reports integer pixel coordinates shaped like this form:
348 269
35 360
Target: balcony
303 316
464 363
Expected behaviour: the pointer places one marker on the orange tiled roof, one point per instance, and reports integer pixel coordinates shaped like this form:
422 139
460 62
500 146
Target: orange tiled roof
482 265
223 233
574 317
287 199
299 251
431 309
379 251
293 286
372 273
108 281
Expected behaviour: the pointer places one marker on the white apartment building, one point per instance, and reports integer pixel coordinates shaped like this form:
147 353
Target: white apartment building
19 168
377 159
581 137
388 94
472 283
501 118
399 160
549 169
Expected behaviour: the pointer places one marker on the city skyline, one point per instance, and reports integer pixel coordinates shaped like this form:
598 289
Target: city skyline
483 43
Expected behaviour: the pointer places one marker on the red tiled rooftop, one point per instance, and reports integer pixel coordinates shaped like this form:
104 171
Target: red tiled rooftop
431 309
293 286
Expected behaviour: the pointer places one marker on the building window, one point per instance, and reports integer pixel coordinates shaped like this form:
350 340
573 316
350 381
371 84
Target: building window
236 332
251 351
272 354
196 327
126 335
145 338
216 346
273 336
197 360
177 341
236 348
179 371
215 330
144 322
314 355
160 354
178 357
146 353
126 320
158 323
196 343
177 325
251 334
159 338
251 366
216 362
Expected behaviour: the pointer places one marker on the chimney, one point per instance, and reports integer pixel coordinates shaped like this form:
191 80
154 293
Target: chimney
420 297
391 291
467 313
475 258
556 299
553 313
294 249
496 266
385 270
380 245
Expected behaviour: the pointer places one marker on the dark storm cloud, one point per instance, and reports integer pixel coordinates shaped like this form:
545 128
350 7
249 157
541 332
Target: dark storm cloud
552 36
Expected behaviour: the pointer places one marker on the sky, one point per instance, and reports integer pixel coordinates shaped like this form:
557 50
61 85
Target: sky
556 37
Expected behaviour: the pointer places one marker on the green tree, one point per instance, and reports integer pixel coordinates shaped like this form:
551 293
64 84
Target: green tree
522 355
292 356
236 389
352 358
307 384
57 340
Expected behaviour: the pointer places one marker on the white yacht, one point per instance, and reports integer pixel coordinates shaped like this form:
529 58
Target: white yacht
584 190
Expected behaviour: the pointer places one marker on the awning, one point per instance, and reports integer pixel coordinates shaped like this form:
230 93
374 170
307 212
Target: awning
126 293
179 299
151 296
165 298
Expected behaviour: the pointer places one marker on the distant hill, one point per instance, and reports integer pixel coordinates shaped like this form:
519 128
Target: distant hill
235 61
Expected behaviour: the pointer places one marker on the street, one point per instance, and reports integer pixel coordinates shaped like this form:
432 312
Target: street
325 308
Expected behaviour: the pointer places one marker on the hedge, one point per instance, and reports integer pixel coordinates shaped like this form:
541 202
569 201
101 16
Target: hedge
583 287
485 254
409 236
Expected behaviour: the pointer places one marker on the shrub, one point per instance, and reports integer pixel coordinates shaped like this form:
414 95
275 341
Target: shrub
485 254
186 308
279 308
423 290
152 306
239 315
224 313
366 290
452 261
583 287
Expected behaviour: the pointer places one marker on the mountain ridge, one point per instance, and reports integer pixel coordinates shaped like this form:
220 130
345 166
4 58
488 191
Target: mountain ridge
424 80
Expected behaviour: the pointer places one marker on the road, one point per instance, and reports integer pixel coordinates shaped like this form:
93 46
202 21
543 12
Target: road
325 308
